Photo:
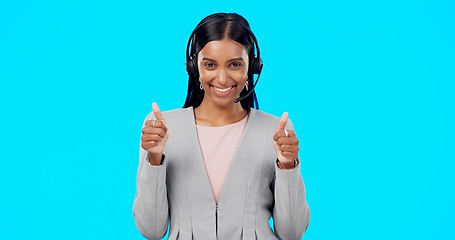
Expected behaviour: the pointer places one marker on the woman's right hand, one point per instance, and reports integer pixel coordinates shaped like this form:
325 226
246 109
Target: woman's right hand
154 136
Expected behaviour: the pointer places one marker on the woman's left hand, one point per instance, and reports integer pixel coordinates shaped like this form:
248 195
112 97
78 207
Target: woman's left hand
286 144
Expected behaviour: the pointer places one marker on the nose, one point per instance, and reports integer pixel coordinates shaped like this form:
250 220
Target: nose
222 76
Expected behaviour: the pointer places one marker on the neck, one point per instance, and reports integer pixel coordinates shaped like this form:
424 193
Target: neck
212 115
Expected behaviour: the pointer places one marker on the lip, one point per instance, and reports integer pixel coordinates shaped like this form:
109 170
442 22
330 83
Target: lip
222 93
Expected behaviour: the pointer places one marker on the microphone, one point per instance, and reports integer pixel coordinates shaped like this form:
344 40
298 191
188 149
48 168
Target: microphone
249 93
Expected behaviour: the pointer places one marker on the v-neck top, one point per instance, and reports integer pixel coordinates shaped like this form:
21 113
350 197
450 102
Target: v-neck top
218 146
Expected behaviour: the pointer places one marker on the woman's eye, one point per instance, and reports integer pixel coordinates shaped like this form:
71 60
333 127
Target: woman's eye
209 65
236 64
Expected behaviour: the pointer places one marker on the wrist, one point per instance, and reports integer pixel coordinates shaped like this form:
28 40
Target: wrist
155 159
287 165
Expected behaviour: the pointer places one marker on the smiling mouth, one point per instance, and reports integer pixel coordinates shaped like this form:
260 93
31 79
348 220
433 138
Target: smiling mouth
223 90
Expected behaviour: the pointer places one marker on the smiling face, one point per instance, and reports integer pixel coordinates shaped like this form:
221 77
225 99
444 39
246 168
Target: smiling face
223 71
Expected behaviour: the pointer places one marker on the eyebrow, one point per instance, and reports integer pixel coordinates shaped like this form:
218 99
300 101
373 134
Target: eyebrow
234 59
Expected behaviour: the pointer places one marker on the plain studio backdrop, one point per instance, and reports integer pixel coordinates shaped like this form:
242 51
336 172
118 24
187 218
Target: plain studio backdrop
367 84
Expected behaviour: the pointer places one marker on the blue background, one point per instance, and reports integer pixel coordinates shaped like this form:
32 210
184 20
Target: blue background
367 84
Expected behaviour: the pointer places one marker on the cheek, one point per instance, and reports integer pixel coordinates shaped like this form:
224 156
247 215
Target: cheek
239 76
206 76
242 78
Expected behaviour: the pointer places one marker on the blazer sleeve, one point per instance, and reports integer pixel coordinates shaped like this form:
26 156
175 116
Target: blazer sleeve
150 207
291 213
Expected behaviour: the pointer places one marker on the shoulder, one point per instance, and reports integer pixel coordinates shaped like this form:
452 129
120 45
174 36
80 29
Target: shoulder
266 119
262 121
263 115
179 120
178 113
174 113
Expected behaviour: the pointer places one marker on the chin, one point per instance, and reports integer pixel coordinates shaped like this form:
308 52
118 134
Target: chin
225 102
222 102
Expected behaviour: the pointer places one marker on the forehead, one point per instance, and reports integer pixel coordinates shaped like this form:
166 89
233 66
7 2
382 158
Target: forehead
225 48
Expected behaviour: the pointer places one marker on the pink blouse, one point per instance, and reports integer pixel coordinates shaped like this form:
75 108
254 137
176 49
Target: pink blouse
218 145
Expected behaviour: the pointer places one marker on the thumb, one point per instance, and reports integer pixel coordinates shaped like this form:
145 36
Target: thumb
282 123
157 112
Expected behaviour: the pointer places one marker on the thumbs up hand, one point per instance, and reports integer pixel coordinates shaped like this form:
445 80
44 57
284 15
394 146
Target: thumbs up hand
154 136
286 144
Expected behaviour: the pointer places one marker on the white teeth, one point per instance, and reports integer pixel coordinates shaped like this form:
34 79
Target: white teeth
222 89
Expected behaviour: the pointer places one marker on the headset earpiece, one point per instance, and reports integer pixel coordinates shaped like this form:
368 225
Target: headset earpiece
256 65
191 66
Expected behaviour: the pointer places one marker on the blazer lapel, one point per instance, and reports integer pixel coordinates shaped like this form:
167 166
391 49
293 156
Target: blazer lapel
238 169
203 186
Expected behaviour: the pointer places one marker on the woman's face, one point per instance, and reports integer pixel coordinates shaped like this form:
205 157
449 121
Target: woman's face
223 71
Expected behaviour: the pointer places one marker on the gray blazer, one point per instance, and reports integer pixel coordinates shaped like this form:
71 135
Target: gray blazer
179 190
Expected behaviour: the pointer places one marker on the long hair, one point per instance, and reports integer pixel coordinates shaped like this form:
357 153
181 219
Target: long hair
218 30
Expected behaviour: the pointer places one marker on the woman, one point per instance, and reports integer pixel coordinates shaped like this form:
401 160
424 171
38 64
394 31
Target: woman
218 168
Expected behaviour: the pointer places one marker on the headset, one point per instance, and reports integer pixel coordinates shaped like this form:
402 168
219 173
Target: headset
256 63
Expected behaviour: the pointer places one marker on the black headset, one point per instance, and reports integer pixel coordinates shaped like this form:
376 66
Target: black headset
256 63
